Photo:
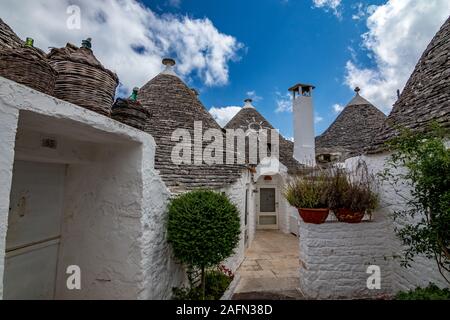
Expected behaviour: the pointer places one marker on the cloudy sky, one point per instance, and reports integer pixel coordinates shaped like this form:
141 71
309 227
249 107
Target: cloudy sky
233 49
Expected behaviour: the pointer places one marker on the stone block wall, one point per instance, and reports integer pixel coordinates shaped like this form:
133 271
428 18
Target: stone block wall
334 258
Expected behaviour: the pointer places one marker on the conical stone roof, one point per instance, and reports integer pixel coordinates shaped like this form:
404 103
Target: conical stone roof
353 130
426 97
173 106
247 117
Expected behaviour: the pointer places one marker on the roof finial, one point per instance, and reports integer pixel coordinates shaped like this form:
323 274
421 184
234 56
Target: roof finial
169 63
357 90
248 103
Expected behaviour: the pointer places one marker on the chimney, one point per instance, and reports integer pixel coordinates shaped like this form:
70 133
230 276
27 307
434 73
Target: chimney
248 104
304 137
169 63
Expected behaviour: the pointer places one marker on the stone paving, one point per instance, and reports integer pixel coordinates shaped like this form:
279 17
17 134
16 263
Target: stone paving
270 268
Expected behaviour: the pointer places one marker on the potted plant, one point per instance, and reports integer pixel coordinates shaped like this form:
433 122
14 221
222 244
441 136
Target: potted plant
309 195
351 196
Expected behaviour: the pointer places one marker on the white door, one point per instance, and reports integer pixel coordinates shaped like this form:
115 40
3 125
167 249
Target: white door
267 208
32 239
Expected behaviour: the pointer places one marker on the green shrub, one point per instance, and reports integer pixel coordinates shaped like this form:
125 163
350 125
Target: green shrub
432 292
203 229
425 160
308 191
217 283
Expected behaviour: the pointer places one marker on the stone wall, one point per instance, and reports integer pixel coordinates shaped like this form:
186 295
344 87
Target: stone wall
236 193
422 270
334 258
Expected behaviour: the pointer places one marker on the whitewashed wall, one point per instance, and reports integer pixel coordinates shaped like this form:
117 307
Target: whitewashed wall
114 204
334 258
236 193
422 271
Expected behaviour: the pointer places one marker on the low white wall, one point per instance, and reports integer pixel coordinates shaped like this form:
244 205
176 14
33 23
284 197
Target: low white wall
422 270
334 258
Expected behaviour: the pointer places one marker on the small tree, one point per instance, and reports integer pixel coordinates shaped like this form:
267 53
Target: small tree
424 163
203 229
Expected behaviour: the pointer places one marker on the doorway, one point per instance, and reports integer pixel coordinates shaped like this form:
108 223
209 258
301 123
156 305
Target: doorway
34 230
267 217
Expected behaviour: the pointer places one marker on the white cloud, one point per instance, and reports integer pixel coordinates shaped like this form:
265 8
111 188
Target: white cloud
175 3
337 108
224 115
118 26
333 5
252 95
399 32
284 103
318 118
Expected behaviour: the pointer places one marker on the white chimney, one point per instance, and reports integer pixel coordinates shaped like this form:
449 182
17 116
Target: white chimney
304 137
169 63
248 104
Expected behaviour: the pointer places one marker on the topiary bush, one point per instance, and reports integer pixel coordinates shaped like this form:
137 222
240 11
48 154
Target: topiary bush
203 229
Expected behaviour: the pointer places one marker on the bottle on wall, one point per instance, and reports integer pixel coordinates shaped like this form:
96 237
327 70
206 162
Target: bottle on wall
29 42
134 95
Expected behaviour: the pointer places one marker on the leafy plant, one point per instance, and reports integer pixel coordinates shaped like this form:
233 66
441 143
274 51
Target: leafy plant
353 190
432 292
308 191
203 229
217 282
421 161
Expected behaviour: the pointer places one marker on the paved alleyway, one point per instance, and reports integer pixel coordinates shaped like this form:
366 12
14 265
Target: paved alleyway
270 268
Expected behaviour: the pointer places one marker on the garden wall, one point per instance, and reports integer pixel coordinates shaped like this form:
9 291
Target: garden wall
334 258
422 270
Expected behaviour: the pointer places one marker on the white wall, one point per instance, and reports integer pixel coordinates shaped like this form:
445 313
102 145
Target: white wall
423 271
236 193
8 126
334 258
114 203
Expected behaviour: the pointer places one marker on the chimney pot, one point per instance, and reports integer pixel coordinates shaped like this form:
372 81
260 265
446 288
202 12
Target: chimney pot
169 62
248 103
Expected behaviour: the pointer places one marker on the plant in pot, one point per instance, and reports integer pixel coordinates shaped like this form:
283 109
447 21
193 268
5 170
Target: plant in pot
351 195
309 194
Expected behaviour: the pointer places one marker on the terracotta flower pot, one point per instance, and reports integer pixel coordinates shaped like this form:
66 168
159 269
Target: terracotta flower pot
316 216
348 216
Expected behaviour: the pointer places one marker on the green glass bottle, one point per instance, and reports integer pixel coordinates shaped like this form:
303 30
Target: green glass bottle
29 42
87 44
134 95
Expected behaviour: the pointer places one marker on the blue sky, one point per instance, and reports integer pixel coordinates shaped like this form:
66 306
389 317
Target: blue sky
232 49
284 43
